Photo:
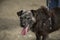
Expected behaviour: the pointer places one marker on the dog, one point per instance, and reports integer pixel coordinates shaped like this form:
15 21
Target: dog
40 21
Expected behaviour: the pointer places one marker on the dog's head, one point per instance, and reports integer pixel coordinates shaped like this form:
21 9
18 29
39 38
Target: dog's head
27 18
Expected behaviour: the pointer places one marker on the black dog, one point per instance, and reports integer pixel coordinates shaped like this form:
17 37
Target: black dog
41 21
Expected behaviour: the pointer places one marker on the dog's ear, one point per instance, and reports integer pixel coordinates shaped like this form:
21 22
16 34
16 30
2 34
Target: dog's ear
33 12
19 13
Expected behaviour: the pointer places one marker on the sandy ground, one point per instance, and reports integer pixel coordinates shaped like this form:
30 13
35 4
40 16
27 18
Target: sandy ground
9 22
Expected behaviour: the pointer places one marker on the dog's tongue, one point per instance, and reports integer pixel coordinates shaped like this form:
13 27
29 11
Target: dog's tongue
24 31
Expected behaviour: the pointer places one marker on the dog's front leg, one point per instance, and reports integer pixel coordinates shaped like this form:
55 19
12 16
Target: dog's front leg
38 37
45 37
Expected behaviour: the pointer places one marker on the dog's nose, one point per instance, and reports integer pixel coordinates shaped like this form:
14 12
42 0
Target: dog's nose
22 25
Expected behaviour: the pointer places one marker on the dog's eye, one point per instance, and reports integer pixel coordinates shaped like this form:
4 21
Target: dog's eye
25 17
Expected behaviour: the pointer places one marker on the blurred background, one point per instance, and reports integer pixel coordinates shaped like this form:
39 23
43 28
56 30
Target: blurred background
9 21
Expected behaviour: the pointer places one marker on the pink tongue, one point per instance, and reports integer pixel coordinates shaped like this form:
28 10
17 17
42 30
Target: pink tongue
24 31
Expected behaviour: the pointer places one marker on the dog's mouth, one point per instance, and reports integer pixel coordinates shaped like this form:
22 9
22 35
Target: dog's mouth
25 30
